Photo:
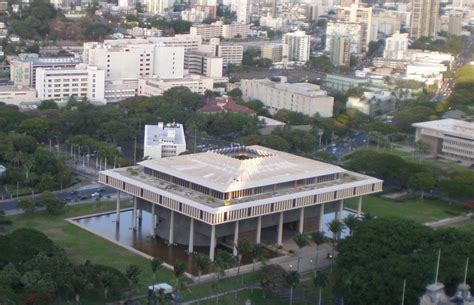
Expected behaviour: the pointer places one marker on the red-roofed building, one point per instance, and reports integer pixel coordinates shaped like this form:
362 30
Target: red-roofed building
221 105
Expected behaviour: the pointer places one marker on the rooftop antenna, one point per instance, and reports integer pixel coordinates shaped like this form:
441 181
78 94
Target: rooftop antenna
403 292
437 266
465 271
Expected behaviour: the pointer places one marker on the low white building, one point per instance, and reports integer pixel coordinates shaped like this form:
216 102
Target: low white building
428 73
219 29
16 95
164 140
154 86
306 98
81 82
449 137
372 103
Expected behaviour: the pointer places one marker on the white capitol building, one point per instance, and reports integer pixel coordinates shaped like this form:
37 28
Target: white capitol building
250 192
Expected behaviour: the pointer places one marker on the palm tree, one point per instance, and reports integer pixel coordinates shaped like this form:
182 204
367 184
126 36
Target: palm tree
202 262
301 241
336 227
259 253
106 279
243 247
318 238
320 281
292 279
223 261
78 284
155 265
132 273
350 221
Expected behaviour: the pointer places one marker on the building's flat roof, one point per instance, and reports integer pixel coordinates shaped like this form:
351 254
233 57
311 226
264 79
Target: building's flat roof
162 133
451 127
149 182
298 88
222 170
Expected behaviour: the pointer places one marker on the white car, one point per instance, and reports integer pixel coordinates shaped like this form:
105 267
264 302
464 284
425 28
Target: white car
96 194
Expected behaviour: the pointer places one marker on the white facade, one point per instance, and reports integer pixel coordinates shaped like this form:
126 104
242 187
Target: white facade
194 15
231 54
163 141
219 29
158 6
81 82
428 73
204 64
277 53
448 137
298 46
350 29
15 95
306 98
396 46
358 14
154 86
372 103
243 10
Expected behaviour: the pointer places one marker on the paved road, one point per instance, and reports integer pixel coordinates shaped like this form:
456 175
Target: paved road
345 146
10 205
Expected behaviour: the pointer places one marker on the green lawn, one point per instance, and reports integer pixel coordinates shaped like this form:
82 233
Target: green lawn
82 245
467 226
414 209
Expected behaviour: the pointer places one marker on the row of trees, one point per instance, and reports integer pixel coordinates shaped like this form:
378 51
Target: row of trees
401 173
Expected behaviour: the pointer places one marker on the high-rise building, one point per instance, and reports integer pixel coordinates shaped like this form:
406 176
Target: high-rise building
341 55
243 10
358 14
298 46
353 30
455 24
158 6
277 52
396 46
424 18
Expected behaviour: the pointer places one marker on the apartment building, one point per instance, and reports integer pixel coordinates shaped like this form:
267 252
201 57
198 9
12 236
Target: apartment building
204 64
62 83
453 139
276 52
298 46
255 192
23 67
231 54
219 29
306 98
164 140
358 14
424 18
152 86
349 29
396 46
341 53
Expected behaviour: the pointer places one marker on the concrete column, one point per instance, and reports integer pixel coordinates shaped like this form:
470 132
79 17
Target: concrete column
191 236
213 243
134 222
301 222
153 220
117 216
321 217
236 238
171 236
259 230
359 207
339 212
280 229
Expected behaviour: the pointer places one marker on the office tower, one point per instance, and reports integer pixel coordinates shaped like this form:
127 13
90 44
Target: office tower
341 55
424 18
298 46
396 46
243 10
455 24
359 14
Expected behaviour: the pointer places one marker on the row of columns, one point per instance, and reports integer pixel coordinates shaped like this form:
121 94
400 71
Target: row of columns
236 228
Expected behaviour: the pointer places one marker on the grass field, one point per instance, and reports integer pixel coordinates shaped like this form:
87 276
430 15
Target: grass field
82 245
414 209
467 226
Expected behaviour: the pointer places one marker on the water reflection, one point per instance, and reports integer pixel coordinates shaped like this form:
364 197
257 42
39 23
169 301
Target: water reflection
140 239
330 217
